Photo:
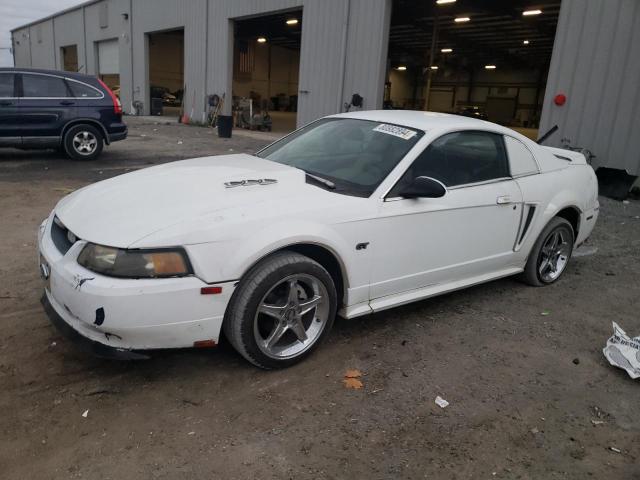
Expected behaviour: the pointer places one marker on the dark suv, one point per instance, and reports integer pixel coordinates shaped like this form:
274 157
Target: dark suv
68 111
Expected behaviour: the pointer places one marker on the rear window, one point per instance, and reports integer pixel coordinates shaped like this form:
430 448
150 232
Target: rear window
82 90
43 86
6 85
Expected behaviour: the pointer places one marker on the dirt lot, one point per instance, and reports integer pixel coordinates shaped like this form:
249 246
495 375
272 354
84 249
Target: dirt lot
525 388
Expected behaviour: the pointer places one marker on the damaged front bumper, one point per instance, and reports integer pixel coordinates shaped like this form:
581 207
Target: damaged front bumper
90 346
122 318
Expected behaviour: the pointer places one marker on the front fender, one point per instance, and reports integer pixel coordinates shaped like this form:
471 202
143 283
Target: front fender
230 260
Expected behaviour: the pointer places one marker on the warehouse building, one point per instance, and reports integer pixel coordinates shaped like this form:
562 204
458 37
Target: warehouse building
526 64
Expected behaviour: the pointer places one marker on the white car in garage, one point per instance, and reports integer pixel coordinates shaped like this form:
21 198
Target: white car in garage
352 214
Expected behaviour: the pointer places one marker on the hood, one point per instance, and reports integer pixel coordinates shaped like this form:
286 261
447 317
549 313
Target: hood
122 210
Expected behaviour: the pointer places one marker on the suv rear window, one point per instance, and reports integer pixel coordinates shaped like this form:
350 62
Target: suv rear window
82 90
43 86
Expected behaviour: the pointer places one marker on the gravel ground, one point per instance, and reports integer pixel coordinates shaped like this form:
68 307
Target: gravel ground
531 395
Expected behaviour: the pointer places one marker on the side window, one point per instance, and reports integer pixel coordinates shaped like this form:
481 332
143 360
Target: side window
520 158
460 158
43 86
82 90
6 85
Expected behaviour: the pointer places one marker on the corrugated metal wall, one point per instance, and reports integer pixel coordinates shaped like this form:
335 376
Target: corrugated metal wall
343 51
596 64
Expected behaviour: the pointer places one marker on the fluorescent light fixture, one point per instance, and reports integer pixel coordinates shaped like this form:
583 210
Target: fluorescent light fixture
447 50
461 19
434 67
490 67
526 42
292 21
402 68
527 13
262 40
443 2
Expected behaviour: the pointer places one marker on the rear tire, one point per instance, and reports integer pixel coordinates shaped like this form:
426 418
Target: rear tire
281 311
550 254
83 142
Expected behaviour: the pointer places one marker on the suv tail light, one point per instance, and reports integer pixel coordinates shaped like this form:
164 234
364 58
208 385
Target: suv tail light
117 106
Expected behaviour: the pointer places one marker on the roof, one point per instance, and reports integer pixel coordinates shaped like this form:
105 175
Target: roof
51 72
426 120
57 14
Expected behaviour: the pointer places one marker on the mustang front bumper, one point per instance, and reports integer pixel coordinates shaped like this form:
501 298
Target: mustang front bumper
119 317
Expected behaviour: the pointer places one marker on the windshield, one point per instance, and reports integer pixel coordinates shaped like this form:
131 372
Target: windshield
355 155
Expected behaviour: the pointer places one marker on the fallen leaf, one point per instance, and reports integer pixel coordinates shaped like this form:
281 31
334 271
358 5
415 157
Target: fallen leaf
353 373
351 382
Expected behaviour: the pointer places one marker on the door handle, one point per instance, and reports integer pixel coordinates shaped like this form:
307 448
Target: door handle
67 102
503 200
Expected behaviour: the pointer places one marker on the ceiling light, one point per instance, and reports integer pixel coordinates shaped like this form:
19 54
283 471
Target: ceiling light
262 40
490 67
526 42
402 68
434 67
447 50
442 2
531 12
292 21
461 19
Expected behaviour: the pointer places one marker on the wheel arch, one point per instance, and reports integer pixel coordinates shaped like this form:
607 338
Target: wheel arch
571 214
320 253
85 121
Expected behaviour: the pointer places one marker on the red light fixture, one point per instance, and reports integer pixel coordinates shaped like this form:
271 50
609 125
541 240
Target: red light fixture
560 99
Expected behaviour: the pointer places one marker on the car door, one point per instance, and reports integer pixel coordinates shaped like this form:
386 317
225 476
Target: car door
469 232
44 108
9 127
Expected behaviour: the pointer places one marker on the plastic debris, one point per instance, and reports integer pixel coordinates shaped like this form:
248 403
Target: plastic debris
180 142
597 422
623 351
614 449
85 414
441 402
545 313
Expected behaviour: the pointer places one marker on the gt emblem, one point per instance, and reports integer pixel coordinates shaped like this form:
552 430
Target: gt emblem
249 183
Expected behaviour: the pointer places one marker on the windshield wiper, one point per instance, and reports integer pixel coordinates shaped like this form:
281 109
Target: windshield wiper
327 183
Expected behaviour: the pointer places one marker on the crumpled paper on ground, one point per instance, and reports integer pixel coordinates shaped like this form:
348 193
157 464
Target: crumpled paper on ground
623 351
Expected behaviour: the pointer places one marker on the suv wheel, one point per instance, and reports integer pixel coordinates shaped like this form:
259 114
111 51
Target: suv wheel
83 142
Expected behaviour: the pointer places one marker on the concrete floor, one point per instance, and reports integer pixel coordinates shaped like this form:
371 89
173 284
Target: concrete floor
531 395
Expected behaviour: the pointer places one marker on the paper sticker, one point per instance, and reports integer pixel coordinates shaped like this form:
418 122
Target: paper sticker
396 131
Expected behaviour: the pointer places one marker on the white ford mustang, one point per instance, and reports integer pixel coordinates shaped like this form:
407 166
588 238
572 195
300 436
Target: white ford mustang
350 215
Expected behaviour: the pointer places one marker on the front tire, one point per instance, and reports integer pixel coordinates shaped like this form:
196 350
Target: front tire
83 142
550 254
281 311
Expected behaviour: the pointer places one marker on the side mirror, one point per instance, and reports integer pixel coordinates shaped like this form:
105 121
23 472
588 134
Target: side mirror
424 187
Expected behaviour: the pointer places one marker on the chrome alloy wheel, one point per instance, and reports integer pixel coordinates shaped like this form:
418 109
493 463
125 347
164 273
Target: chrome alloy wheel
291 316
84 142
554 256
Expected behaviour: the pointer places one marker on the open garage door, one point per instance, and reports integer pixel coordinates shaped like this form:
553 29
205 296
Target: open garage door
486 60
265 71
109 63
166 73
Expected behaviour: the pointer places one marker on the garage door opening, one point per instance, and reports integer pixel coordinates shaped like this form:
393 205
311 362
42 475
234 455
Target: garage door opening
487 60
266 64
69 58
166 73
108 56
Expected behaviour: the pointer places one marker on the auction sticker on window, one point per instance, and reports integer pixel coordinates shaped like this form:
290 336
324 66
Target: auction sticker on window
396 131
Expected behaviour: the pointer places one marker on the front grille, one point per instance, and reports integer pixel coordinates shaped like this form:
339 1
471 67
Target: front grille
60 236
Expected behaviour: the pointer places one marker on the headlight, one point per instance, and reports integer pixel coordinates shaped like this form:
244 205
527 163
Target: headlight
116 262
